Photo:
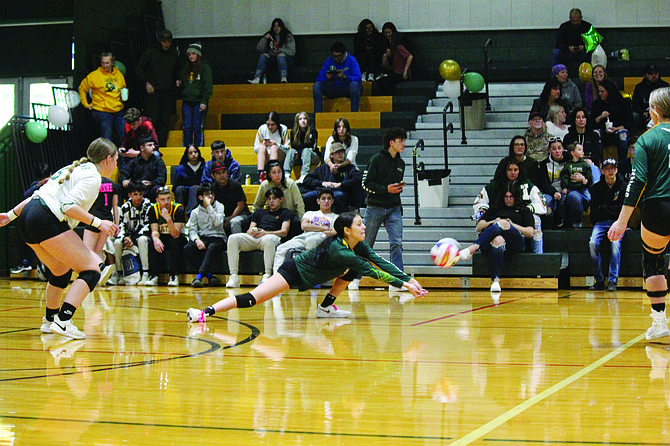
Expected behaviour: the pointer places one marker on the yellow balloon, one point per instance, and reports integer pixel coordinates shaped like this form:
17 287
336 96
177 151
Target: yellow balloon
585 72
450 70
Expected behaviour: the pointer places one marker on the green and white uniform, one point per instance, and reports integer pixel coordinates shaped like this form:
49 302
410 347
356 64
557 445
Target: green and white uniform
650 177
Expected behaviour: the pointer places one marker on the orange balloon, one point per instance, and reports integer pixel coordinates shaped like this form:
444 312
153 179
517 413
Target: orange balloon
585 72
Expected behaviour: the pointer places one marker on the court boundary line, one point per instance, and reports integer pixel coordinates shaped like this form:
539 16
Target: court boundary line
503 418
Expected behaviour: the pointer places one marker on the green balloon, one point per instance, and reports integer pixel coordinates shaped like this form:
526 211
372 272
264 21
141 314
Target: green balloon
121 67
474 82
36 132
591 39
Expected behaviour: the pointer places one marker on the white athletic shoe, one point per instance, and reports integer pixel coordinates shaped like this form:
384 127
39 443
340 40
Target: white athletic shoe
233 281
464 254
283 80
106 274
495 287
46 325
151 281
331 311
66 329
174 281
255 80
353 285
144 279
194 315
115 279
659 326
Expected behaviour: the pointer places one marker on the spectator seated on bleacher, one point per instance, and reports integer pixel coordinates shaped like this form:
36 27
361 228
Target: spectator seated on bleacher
517 150
570 94
547 177
166 221
316 226
206 235
581 131
342 134
267 228
187 178
277 43
591 90
223 155
396 60
369 46
569 42
606 203
231 194
340 77
650 82
291 196
271 142
133 231
556 126
304 140
613 117
345 183
537 138
530 195
551 95
576 179
137 126
503 229
146 169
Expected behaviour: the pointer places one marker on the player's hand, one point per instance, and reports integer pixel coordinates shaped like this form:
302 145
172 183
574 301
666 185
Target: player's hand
108 228
616 231
415 288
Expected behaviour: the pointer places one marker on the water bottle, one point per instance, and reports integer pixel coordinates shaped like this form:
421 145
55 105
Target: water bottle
247 179
265 79
537 235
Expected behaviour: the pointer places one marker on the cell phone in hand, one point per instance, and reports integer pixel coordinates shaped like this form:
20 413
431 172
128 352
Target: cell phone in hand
402 183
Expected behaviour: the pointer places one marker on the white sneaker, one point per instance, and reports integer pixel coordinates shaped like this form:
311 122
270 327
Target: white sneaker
144 279
659 328
495 287
151 281
301 179
46 325
174 281
233 281
371 77
115 279
364 76
284 80
256 80
194 315
66 329
331 311
353 285
464 254
106 274
265 277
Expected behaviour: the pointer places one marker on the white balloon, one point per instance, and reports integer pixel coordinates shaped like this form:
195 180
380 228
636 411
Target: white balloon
598 56
72 99
58 116
451 89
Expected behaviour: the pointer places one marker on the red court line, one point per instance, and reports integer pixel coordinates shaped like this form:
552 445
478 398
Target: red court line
467 311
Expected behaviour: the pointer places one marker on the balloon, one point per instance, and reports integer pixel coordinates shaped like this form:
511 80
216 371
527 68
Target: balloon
474 82
591 39
585 72
120 66
451 89
36 132
599 57
450 70
58 116
72 99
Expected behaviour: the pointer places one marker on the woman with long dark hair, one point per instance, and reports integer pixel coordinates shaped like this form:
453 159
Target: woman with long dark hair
396 60
613 117
341 257
551 95
276 177
187 175
196 79
369 47
279 43
341 133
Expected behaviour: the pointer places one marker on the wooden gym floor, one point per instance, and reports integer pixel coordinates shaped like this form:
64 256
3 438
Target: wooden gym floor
456 368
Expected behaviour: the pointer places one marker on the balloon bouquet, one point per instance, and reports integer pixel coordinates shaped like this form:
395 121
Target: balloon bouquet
58 116
451 73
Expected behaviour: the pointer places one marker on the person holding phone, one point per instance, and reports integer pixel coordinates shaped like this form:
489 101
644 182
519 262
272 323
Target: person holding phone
340 77
383 182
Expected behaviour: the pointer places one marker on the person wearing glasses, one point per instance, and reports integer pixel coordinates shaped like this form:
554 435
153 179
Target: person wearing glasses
340 77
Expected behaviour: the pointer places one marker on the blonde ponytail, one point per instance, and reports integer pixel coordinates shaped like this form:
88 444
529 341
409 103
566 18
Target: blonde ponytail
71 167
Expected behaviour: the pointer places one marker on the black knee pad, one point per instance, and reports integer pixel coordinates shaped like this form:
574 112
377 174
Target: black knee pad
61 281
652 264
91 277
350 275
246 300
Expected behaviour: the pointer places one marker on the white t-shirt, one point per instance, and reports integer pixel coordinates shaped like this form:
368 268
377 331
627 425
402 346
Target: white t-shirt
80 189
318 218
279 137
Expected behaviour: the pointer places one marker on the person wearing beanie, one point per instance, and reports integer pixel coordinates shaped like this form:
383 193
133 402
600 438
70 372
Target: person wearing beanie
158 73
570 95
196 80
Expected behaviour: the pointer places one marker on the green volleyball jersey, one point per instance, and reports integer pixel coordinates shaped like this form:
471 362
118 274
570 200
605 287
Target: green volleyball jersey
650 177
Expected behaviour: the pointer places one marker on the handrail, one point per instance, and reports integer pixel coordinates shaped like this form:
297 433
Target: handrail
419 144
461 109
487 61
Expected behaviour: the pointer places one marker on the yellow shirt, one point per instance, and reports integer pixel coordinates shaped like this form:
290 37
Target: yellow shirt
105 90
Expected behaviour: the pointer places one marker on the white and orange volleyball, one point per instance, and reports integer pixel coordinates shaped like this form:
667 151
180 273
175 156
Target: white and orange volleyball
445 252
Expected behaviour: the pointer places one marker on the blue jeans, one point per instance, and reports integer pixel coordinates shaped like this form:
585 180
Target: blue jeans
597 235
557 208
515 243
108 121
392 220
194 120
576 202
327 89
339 204
282 64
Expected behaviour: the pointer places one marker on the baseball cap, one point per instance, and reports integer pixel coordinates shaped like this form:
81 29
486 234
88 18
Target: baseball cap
650 68
218 165
166 34
534 115
336 147
609 162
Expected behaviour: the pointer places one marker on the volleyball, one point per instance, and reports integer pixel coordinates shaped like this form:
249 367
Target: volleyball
445 252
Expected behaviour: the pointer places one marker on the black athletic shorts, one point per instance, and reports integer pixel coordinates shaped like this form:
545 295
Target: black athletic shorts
37 223
656 216
289 272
